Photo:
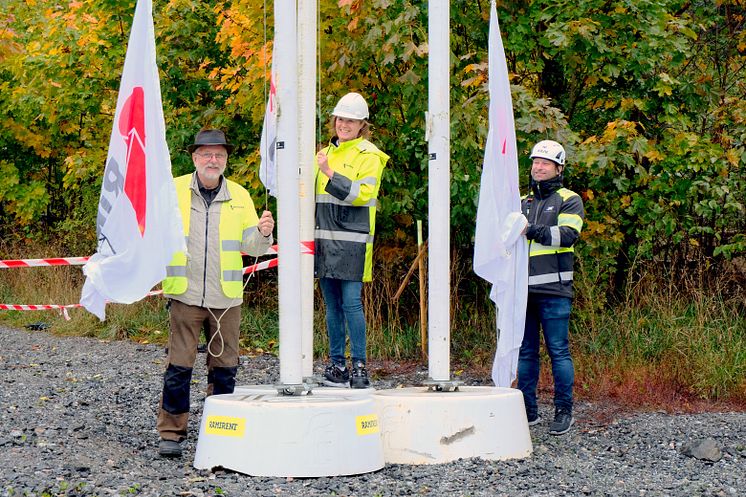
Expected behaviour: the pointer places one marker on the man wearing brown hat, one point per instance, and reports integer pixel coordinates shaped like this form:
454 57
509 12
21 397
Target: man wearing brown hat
205 285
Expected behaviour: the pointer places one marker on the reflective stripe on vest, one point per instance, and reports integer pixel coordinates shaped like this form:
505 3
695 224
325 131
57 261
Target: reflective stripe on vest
355 187
572 220
326 198
543 279
555 232
343 236
234 245
176 271
536 248
233 275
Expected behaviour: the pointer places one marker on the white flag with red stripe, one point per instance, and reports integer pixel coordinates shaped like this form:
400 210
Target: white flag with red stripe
138 224
268 166
500 251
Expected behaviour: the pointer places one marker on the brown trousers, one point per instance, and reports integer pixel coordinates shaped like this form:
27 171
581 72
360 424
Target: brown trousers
186 325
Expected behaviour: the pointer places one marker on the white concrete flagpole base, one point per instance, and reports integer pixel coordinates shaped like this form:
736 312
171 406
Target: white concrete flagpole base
317 390
265 434
344 392
421 426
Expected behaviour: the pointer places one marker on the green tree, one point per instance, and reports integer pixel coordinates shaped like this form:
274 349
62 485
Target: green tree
647 96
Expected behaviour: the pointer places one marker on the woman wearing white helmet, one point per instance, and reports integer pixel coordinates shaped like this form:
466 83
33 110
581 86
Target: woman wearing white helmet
347 182
555 216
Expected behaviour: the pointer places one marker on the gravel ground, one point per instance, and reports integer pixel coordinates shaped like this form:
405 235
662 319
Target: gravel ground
77 418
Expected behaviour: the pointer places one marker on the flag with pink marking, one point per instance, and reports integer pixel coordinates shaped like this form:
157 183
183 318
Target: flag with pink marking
500 249
138 222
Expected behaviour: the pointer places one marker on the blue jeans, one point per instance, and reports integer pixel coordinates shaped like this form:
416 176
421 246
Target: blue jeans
344 312
553 314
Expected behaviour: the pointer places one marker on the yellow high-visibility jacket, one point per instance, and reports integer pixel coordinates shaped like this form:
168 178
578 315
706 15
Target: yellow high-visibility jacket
346 210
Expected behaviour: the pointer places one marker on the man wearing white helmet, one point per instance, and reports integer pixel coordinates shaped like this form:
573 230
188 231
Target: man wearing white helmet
555 218
347 182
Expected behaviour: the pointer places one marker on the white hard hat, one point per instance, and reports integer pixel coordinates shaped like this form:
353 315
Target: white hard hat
549 149
351 106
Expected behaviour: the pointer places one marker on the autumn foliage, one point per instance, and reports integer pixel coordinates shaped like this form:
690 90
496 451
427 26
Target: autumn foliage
648 97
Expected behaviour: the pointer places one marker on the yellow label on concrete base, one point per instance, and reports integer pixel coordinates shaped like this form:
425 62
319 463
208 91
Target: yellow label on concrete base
367 425
225 426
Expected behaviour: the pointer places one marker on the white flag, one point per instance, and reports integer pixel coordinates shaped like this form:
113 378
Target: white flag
268 166
138 224
500 252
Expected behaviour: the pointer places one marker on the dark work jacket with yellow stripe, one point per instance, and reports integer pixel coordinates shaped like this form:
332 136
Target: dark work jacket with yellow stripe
555 218
346 210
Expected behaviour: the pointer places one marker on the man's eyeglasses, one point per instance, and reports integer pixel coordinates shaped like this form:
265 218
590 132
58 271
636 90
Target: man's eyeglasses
207 156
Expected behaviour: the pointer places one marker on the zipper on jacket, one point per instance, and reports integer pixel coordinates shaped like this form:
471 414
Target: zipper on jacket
207 241
529 201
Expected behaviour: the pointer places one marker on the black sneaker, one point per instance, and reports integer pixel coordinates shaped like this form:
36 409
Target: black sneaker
533 418
336 376
563 420
359 378
169 448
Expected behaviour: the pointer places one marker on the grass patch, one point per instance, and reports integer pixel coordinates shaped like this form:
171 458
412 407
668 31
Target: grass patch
659 343
657 346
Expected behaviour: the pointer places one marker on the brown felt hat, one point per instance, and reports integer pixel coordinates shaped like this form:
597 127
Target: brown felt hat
210 137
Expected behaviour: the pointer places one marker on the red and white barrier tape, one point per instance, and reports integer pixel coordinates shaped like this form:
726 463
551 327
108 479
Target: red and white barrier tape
306 248
260 265
270 263
56 261
62 308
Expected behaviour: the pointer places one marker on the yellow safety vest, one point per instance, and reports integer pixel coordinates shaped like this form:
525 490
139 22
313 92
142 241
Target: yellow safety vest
236 216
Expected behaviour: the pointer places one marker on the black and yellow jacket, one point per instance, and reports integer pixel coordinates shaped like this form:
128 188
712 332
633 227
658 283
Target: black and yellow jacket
555 216
346 210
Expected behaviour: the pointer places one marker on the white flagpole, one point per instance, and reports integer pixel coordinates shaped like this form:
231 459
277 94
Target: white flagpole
288 205
439 191
307 10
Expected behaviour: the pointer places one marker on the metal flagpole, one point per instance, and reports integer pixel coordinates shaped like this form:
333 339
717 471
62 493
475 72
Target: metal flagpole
288 203
438 137
307 10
